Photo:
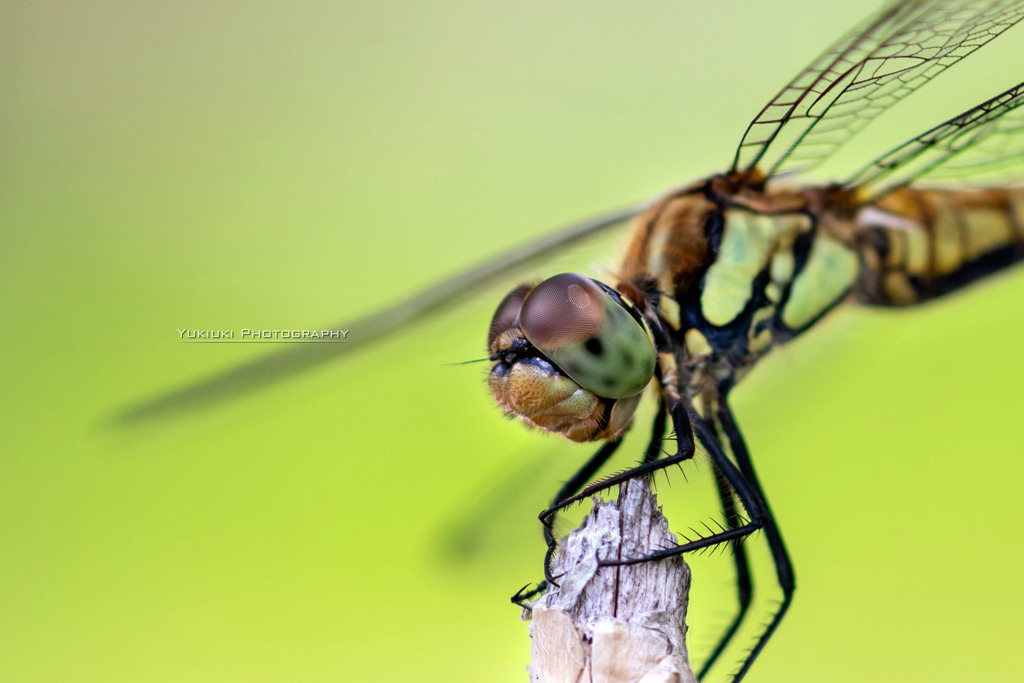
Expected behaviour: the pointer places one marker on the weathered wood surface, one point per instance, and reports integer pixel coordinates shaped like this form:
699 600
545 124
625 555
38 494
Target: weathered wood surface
614 624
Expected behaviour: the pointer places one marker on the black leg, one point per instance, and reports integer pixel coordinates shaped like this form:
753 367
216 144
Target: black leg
744 587
526 593
743 480
570 487
649 464
657 435
747 495
783 566
684 451
578 480
568 494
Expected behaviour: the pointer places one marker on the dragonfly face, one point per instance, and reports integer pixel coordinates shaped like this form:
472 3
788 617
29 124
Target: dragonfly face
571 356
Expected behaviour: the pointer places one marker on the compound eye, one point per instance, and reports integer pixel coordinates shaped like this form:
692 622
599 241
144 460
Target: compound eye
591 337
565 309
507 313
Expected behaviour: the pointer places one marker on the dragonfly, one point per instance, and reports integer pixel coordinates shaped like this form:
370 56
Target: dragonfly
721 271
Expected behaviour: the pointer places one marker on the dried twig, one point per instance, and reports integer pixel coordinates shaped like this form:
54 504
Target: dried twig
614 624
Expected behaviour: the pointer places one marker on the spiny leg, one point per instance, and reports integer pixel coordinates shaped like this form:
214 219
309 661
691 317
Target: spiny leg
570 487
574 484
747 495
650 464
783 565
657 435
744 587
568 494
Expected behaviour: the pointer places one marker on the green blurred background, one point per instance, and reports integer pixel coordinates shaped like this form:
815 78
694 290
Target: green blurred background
227 165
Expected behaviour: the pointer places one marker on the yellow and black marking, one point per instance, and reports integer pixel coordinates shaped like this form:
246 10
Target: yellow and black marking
739 272
742 271
920 244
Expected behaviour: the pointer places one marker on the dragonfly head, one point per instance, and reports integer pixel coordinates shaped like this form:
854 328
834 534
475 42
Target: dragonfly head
571 356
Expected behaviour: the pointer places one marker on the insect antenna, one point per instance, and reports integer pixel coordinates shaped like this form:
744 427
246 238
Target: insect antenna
466 362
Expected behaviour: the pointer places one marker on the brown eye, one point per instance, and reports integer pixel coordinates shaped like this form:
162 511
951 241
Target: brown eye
507 312
565 309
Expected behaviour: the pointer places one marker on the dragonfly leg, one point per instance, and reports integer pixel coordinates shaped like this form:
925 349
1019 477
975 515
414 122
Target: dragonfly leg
744 586
578 480
650 464
747 495
783 565
743 481
526 594
657 435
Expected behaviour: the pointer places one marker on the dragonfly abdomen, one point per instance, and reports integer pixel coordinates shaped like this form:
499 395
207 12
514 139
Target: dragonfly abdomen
920 244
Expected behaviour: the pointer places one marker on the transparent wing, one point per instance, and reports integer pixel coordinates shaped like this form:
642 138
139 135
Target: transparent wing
998 157
882 61
294 359
986 141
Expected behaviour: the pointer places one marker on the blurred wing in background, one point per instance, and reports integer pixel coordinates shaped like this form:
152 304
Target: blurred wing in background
298 358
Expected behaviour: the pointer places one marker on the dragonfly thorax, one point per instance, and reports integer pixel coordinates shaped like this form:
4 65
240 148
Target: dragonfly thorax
738 272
